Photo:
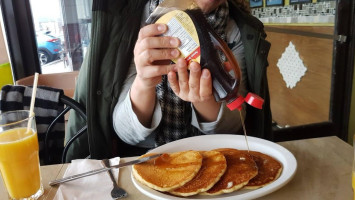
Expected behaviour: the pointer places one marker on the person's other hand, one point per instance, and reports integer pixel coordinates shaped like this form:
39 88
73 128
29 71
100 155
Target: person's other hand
195 86
152 54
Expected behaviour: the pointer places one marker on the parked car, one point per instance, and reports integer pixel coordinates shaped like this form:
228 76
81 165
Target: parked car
49 47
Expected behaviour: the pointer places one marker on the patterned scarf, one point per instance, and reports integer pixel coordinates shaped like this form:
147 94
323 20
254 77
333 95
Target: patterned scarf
176 118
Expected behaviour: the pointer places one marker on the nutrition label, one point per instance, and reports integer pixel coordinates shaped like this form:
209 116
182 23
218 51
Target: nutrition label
178 27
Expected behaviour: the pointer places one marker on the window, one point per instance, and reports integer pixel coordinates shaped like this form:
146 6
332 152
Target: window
62 30
47 36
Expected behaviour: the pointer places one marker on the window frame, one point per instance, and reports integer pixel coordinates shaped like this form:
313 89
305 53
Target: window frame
21 37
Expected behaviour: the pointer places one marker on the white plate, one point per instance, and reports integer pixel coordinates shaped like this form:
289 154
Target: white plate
209 142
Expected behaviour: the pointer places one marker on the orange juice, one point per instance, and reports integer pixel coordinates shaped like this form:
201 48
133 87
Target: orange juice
19 162
353 182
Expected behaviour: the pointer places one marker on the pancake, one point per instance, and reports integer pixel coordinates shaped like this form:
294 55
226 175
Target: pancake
213 167
240 169
269 169
169 171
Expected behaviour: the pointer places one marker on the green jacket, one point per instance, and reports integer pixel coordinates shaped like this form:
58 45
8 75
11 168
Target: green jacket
115 27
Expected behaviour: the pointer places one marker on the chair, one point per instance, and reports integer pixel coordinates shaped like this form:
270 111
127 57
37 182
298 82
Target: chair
69 104
65 81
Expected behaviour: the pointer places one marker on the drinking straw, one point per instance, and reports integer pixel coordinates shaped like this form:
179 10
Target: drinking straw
33 98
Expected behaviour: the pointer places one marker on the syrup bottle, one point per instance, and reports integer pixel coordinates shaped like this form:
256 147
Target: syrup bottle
225 86
201 44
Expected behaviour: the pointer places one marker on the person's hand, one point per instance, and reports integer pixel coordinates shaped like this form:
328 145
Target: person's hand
195 87
152 54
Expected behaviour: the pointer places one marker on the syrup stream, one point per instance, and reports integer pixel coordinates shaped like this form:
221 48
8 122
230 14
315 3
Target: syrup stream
245 132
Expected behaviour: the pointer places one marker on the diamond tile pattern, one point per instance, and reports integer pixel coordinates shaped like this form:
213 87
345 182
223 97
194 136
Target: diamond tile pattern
291 66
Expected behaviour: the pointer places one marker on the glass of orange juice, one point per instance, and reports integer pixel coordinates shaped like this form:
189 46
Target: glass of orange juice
19 159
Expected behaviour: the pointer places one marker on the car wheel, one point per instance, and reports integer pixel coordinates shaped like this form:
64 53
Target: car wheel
43 57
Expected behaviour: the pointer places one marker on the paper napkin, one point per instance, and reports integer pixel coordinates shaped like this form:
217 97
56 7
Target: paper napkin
97 186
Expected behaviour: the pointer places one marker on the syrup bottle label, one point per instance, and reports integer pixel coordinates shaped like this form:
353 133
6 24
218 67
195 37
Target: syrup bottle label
181 26
201 44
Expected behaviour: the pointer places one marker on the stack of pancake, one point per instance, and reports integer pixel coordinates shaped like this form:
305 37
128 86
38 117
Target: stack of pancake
211 172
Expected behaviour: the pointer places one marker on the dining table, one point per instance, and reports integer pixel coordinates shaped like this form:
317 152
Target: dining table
324 170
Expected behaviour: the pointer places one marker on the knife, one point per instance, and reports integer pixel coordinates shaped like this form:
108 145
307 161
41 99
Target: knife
96 171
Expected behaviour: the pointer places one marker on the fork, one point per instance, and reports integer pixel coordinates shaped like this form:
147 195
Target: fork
116 192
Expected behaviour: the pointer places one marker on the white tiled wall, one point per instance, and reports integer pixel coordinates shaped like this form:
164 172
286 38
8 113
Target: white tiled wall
321 12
